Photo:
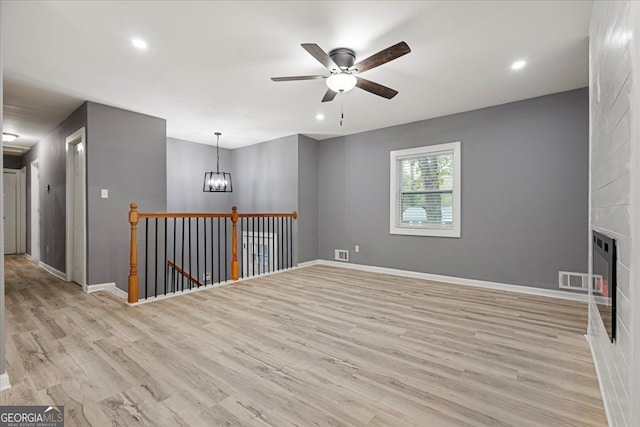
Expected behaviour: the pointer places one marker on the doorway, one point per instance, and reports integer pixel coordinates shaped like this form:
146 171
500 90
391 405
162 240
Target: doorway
76 209
13 195
10 214
35 210
259 253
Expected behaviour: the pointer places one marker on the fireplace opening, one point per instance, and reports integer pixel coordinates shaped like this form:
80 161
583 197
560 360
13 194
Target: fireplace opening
604 280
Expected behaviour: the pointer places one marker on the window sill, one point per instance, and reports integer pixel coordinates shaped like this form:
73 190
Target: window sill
428 232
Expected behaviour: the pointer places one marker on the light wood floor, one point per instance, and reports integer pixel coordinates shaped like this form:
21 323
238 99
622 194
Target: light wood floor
315 346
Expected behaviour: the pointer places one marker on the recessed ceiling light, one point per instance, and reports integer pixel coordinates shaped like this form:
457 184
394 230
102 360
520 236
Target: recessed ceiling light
319 116
518 65
9 137
139 43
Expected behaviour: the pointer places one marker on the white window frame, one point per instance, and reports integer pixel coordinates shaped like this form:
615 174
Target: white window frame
433 230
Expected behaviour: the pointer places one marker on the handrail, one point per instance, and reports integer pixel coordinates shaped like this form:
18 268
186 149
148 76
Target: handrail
171 264
293 215
214 215
183 215
135 216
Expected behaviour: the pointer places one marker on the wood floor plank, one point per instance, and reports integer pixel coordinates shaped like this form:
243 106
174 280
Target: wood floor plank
313 346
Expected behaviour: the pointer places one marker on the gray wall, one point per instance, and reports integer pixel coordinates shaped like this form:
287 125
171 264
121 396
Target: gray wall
11 162
51 151
266 176
274 176
524 193
126 154
266 179
307 199
186 164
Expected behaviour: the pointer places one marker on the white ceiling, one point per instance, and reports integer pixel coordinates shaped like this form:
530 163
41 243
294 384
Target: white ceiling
208 65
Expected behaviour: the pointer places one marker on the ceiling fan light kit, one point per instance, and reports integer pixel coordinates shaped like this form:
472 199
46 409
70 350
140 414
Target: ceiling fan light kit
341 63
341 82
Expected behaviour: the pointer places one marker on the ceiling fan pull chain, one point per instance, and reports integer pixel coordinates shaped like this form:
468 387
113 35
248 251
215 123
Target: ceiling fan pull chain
341 109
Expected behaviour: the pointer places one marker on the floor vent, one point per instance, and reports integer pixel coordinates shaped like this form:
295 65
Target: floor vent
341 255
575 281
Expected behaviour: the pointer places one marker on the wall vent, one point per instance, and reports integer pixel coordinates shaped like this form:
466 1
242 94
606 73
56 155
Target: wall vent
575 281
341 255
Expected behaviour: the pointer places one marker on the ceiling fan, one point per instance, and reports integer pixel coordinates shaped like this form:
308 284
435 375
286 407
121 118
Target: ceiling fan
343 69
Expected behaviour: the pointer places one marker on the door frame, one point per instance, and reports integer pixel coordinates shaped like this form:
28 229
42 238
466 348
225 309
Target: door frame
78 137
35 210
20 213
22 210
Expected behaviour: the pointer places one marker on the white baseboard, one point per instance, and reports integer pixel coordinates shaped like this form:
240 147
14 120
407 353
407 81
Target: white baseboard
4 382
309 263
552 293
59 274
27 256
109 287
605 398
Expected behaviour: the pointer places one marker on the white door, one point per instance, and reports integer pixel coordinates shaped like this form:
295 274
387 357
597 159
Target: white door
78 213
259 253
10 200
75 230
35 210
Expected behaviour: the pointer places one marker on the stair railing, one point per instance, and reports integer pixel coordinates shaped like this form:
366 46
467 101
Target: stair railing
170 253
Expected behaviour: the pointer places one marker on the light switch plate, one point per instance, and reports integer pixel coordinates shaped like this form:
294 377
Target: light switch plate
104 193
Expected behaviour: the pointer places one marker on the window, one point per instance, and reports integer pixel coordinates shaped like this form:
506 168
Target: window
425 191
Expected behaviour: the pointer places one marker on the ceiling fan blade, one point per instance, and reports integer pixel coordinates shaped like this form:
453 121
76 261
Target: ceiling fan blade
329 95
322 57
293 78
375 88
382 57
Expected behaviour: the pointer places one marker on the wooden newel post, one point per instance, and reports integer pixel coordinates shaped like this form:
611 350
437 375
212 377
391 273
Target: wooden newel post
133 255
235 273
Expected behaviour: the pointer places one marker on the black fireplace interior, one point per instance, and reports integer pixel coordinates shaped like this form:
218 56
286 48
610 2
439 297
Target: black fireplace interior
604 280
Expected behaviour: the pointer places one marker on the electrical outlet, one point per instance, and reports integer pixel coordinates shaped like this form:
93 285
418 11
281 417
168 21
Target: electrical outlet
206 277
47 248
356 249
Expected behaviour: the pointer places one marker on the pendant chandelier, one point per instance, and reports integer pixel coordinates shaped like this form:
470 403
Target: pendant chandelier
217 182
